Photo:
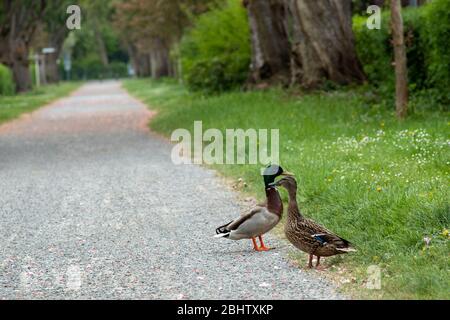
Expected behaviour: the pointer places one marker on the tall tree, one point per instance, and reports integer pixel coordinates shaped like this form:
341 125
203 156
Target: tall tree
18 22
312 39
98 14
139 60
270 45
124 18
401 71
325 49
56 32
153 28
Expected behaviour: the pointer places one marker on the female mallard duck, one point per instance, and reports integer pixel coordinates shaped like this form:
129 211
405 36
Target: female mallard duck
306 234
261 218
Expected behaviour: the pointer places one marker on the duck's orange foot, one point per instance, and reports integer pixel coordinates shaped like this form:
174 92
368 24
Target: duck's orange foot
260 248
255 246
263 246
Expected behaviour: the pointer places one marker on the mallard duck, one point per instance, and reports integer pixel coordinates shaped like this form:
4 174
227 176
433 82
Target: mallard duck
261 218
307 235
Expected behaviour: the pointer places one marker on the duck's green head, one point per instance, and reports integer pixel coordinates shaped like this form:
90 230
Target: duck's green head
272 171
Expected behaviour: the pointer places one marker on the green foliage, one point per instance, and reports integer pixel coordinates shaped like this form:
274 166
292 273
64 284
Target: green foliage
118 69
216 51
86 62
427 39
437 21
115 51
90 67
374 49
379 183
6 81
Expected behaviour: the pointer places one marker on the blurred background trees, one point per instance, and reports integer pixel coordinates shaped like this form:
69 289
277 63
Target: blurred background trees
51 35
218 45
97 51
153 31
19 20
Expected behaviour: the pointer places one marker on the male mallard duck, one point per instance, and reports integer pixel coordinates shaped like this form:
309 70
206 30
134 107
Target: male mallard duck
306 234
261 218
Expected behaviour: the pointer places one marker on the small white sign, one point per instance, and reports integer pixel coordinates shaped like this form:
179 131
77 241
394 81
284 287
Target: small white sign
48 50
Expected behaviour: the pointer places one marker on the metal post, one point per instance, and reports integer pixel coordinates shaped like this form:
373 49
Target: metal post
36 70
44 73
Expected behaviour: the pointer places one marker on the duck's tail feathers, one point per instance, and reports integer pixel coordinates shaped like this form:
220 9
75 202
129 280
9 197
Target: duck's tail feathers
222 232
222 235
342 245
222 229
349 249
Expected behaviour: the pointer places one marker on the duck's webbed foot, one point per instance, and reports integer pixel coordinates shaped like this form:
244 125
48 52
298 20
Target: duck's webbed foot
262 247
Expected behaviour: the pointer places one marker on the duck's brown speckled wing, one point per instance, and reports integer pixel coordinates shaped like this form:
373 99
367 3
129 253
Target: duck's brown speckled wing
322 234
311 237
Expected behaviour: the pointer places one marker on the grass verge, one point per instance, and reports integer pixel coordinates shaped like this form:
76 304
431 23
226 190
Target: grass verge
12 107
380 183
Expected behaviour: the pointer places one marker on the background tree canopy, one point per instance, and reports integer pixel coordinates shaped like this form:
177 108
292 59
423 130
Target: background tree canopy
219 45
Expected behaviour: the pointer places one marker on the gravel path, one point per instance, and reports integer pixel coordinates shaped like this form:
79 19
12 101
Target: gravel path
92 207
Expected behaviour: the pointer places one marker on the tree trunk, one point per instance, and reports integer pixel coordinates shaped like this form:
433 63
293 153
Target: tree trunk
144 67
19 65
142 64
22 78
52 69
101 45
51 62
19 20
270 45
323 43
159 59
401 71
14 52
51 59
139 60
133 57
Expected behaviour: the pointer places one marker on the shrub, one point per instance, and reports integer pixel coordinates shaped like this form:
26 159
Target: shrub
437 27
374 49
215 53
118 69
6 81
90 67
376 52
427 39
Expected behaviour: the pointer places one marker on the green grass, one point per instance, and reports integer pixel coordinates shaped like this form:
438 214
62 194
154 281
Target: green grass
12 107
380 183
